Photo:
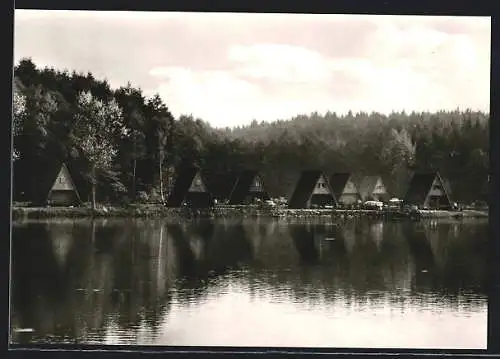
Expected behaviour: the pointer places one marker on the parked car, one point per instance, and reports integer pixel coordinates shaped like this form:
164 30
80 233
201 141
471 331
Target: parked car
373 205
269 203
281 201
395 203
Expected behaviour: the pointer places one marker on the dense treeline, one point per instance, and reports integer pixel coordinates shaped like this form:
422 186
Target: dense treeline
124 143
455 143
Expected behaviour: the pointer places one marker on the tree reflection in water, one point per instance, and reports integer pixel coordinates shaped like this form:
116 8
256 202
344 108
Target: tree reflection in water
117 281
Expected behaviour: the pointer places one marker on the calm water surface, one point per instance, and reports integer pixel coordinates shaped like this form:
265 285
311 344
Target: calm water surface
250 283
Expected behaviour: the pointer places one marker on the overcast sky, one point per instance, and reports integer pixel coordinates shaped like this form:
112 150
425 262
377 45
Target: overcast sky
231 68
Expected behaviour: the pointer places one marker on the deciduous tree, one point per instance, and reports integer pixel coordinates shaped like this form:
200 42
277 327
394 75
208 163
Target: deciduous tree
96 129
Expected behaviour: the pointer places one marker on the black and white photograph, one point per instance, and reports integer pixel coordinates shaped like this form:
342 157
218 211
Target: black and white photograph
203 179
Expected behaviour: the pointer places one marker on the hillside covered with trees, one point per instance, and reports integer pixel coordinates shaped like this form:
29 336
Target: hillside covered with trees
125 143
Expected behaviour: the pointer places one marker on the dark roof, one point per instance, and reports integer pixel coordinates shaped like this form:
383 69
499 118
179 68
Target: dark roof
446 185
183 181
36 179
420 185
43 179
338 182
75 189
220 183
242 186
304 188
367 185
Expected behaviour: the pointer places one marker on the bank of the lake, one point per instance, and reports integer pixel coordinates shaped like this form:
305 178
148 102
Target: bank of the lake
150 211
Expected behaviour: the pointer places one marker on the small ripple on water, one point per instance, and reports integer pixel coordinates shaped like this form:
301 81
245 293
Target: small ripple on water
266 292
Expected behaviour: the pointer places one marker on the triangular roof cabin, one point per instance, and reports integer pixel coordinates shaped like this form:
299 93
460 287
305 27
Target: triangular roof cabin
249 185
48 182
372 187
312 188
220 183
344 189
63 188
189 188
428 190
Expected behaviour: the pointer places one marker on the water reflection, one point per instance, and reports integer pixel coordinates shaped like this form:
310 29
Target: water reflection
239 282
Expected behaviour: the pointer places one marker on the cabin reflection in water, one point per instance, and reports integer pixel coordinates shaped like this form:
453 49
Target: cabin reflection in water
312 242
127 281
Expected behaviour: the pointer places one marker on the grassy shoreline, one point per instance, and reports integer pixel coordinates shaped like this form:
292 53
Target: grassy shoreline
155 211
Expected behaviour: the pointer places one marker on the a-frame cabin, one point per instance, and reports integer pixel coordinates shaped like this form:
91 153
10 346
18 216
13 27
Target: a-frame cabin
312 190
428 190
248 187
190 189
220 184
344 189
63 191
46 183
50 182
373 188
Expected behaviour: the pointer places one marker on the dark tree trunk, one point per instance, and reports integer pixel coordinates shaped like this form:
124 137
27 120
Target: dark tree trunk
134 169
133 179
161 182
94 183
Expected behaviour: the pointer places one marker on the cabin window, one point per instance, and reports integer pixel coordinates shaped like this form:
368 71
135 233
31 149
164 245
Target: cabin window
197 182
61 180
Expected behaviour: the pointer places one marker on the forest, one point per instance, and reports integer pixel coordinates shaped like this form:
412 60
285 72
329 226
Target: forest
128 146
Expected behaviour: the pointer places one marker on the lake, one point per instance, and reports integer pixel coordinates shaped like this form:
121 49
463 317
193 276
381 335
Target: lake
251 282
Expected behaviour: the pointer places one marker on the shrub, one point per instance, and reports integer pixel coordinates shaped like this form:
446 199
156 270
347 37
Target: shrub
125 201
155 196
21 204
142 197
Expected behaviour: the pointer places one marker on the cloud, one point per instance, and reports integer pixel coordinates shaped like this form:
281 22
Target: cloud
230 68
267 81
440 68
214 95
278 62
